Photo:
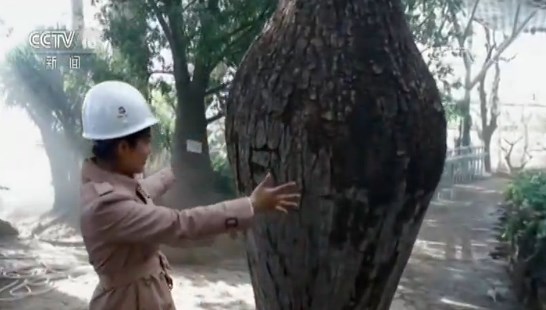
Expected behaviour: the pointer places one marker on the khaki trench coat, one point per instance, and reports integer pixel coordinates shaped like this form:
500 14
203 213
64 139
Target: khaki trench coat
122 230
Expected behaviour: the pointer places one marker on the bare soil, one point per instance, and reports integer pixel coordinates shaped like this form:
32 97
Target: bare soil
450 267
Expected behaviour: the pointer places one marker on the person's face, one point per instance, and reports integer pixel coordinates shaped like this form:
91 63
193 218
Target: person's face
132 159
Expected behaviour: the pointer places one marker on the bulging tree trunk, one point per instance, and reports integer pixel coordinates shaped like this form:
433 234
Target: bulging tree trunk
335 96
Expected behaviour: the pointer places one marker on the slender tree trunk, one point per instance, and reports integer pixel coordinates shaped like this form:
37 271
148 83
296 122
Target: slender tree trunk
465 43
487 150
336 96
489 113
466 120
485 134
467 125
191 157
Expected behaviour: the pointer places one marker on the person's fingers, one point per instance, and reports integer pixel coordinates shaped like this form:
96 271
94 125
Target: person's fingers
288 204
290 187
279 208
289 197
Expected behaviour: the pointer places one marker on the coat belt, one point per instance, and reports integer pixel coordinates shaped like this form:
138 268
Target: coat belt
154 266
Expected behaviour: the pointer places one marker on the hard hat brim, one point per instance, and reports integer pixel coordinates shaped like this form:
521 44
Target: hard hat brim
149 122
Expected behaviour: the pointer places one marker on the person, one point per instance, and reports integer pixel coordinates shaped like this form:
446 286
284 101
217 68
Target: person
121 227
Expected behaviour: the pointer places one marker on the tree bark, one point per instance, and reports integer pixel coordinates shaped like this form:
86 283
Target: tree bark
487 151
65 169
194 169
489 106
485 134
335 96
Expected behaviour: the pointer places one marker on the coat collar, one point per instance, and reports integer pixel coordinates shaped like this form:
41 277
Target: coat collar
91 172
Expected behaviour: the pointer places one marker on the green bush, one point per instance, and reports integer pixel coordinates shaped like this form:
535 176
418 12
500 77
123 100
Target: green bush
524 227
224 180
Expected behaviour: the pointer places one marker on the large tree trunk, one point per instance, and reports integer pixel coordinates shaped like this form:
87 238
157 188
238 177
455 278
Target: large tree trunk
65 163
336 97
65 170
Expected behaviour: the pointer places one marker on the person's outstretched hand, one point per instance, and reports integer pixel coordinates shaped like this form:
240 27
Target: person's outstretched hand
267 197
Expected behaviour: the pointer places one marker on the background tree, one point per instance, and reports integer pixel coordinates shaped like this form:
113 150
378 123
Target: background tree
463 37
134 49
339 99
200 35
51 98
489 103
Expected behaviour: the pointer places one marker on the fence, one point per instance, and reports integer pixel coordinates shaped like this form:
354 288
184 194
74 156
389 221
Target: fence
462 165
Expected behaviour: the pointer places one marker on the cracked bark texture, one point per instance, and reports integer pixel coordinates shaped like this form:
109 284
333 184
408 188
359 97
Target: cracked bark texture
335 95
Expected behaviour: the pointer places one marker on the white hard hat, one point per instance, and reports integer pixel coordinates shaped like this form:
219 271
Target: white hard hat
114 109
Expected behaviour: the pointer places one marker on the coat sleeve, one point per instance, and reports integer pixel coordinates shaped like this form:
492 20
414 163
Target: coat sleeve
129 221
158 183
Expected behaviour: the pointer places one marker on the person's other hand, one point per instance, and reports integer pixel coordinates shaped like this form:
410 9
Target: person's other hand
266 196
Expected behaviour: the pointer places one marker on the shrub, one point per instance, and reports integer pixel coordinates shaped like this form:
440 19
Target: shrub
527 216
224 180
524 228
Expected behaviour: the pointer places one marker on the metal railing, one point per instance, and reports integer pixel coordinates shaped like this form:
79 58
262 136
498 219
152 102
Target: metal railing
462 165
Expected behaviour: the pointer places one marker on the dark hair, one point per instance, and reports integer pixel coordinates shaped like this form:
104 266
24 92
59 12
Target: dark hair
106 149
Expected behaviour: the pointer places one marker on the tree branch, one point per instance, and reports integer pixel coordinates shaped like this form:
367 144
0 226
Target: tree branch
162 22
214 90
482 94
172 104
462 36
470 20
494 98
516 30
215 117
202 64
187 6
162 72
508 152
173 27
233 37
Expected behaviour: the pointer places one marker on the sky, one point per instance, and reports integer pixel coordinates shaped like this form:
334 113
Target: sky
24 167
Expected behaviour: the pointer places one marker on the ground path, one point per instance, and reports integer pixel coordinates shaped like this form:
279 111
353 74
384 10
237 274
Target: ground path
450 266
449 269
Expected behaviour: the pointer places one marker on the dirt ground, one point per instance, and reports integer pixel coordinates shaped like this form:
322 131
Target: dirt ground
449 269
